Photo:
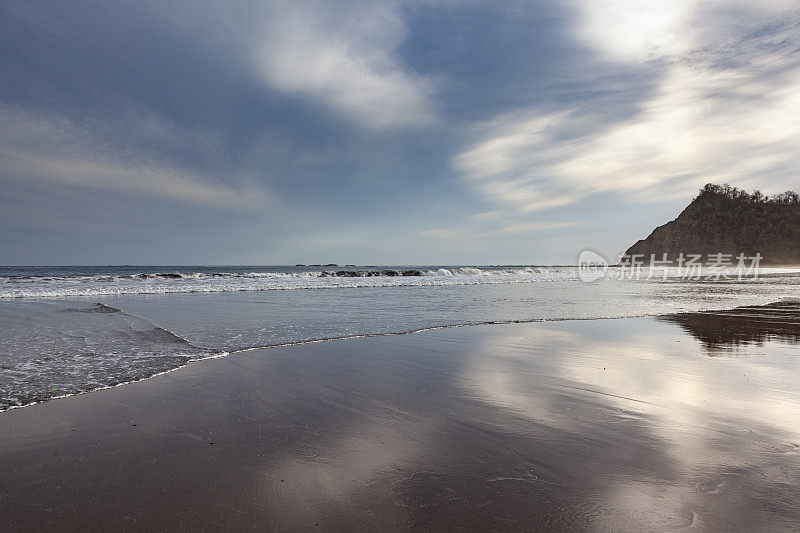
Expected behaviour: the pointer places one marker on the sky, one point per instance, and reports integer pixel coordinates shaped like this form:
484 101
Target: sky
417 132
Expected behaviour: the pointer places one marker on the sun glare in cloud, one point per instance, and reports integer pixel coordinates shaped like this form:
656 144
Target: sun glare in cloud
635 31
724 110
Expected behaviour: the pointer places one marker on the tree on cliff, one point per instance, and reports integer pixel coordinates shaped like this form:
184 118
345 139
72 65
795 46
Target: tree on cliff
726 219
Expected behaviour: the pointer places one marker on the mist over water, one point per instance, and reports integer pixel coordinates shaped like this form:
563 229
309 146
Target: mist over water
74 329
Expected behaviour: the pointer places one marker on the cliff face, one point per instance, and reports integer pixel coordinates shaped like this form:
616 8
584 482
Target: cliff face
724 219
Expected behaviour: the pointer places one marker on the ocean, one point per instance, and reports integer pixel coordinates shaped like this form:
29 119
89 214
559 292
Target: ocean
68 330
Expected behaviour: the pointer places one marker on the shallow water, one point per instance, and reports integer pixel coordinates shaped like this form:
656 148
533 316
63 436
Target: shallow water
51 346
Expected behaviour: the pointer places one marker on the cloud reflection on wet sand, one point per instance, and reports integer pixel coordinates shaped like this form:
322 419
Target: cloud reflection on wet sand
576 425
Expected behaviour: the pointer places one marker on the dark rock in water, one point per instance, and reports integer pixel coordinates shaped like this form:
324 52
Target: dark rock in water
169 275
98 308
315 265
331 265
348 273
103 308
724 219
300 265
369 273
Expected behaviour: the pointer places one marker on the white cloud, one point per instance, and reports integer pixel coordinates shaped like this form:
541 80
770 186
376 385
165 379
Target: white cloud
53 148
504 166
633 31
724 110
528 227
345 57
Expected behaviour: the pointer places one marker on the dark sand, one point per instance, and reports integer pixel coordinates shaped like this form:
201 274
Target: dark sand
685 422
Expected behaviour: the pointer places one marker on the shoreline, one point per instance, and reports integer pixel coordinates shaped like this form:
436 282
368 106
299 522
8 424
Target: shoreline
560 425
224 353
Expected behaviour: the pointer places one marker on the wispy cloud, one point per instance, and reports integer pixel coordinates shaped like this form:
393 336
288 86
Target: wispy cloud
528 227
440 233
53 148
517 228
345 58
723 110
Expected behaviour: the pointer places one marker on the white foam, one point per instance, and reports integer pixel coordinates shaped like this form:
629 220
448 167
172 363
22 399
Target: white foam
58 287
56 349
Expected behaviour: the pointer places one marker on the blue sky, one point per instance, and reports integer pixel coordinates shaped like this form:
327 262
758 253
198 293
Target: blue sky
416 132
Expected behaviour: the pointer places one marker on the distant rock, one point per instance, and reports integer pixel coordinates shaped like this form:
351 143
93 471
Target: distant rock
349 273
727 220
369 273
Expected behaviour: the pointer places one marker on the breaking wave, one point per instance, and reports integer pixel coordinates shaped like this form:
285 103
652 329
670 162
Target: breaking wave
51 350
28 286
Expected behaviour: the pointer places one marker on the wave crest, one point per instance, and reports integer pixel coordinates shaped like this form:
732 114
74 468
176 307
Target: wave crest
185 282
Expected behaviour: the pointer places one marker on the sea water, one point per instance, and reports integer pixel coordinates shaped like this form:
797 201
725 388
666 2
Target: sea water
66 330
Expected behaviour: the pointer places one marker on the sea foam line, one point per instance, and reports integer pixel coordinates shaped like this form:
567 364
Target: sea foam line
220 354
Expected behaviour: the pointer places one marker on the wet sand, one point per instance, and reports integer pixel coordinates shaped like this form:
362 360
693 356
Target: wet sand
682 422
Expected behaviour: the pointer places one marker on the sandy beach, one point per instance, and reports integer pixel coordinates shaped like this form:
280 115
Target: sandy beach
679 422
